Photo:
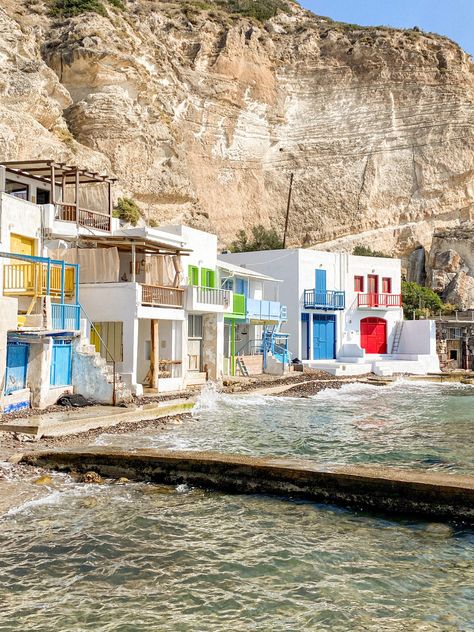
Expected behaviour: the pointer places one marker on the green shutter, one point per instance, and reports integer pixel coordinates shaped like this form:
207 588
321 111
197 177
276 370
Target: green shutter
203 277
193 275
212 278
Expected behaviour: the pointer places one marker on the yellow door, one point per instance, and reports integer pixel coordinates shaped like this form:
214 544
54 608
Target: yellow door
20 245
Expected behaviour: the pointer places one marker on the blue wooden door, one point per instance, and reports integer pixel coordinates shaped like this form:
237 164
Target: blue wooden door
320 287
61 363
324 337
17 366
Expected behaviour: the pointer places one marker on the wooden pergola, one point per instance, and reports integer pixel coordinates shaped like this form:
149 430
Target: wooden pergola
55 175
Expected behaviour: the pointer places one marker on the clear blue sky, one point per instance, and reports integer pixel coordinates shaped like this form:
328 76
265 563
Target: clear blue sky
454 18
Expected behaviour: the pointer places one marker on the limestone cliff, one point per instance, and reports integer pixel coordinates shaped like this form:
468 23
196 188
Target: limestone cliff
203 115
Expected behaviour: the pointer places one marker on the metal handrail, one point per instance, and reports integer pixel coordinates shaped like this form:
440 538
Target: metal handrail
114 380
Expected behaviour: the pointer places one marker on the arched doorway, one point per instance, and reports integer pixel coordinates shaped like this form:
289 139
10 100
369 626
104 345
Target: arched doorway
373 335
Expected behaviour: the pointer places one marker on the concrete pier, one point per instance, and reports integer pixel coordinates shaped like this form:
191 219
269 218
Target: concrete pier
427 495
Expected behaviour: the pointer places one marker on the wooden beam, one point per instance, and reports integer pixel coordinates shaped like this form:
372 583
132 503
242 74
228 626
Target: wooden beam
154 354
109 193
53 185
76 198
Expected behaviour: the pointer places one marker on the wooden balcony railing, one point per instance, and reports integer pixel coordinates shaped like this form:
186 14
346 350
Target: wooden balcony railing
31 279
379 300
85 217
162 296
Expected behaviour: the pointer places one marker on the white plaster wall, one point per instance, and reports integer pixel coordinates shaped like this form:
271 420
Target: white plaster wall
19 217
418 337
202 244
115 302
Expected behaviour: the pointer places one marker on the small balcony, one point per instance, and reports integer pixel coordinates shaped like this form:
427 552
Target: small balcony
38 279
208 299
162 296
66 316
264 311
330 299
380 301
83 217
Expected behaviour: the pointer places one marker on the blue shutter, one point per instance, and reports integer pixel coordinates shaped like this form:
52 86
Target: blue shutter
320 280
242 286
17 366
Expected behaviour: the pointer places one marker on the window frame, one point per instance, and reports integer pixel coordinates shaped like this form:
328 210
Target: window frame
386 281
359 278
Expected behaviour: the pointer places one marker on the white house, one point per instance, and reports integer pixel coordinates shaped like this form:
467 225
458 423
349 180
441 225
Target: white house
344 311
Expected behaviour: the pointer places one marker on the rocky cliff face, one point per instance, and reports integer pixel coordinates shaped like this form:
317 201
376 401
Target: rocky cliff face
203 115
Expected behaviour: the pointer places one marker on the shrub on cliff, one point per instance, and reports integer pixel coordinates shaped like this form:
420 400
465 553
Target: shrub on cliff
128 211
71 8
365 251
260 10
419 301
260 238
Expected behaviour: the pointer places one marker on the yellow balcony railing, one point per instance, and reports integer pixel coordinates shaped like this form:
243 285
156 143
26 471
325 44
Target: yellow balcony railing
31 279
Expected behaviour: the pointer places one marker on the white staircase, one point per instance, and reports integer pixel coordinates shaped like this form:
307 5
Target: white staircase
93 377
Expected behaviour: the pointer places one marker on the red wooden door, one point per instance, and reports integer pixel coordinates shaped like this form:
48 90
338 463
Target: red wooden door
373 335
373 289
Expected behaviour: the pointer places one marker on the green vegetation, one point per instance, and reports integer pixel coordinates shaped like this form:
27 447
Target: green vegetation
365 251
260 238
128 211
71 8
421 302
260 10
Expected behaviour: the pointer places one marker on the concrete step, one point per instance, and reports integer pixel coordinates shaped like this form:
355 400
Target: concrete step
194 378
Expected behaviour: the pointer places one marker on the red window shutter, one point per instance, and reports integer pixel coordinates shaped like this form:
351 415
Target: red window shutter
386 285
358 283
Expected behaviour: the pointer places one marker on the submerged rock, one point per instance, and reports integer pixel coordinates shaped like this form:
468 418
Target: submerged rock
122 481
43 480
438 530
91 477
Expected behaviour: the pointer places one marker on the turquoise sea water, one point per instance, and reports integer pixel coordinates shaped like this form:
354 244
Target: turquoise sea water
144 557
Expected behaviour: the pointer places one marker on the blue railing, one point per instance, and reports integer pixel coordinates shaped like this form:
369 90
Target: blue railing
263 310
331 299
66 316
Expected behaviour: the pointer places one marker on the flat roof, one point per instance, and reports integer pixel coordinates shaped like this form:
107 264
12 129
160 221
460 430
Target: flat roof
42 169
231 267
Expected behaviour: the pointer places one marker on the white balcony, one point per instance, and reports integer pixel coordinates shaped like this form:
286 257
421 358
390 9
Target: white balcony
208 299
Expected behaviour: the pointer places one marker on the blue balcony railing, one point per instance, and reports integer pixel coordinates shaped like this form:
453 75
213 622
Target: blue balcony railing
66 316
331 299
263 310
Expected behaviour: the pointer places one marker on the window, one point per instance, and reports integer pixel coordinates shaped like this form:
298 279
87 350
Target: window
358 284
208 278
386 285
17 189
42 196
228 284
193 275
194 326
453 354
454 333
